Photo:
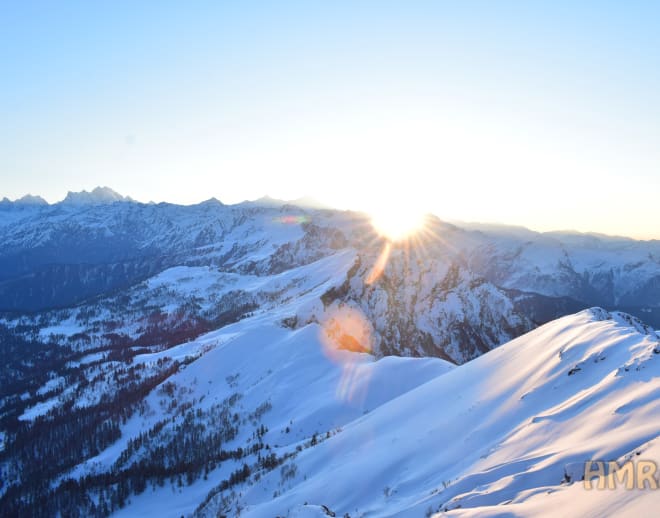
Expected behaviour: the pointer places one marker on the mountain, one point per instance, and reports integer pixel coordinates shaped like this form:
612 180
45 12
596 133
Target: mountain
609 271
456 294
499 434
259 419
67 255
27 200
98 196
267 359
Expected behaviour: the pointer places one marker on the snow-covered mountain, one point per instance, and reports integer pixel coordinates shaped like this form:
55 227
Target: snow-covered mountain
27 200
456 294
268 359
64 254
97 196
257 419
498 435
603 270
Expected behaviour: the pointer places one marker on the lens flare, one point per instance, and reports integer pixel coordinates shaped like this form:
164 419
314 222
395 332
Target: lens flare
291 219
344 332
345 329
354 383
381 263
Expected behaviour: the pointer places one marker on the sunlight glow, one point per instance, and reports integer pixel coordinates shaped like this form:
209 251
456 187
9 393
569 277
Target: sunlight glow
397 224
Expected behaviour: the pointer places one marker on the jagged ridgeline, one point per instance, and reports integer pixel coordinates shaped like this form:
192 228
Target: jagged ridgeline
457 293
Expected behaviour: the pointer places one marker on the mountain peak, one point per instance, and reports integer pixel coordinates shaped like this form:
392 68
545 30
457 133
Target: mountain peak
269 201
264 201
26 201
211 202
29 199
98 196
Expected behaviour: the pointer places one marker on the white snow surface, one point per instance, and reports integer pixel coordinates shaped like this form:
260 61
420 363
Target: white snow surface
410 437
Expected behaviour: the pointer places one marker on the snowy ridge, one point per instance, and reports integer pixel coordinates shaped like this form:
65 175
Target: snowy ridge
493 431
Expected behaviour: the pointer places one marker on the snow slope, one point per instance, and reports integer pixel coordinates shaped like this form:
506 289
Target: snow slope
499 429
310 391
408 437
575 500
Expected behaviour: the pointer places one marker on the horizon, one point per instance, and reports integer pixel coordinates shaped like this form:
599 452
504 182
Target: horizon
541 116
315 204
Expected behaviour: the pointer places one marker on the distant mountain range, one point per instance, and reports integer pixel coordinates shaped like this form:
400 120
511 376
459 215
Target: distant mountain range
455 293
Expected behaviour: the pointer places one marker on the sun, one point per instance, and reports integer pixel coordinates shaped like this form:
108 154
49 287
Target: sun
397 223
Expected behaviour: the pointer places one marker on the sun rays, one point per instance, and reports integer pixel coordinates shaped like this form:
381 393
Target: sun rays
415 238
345 330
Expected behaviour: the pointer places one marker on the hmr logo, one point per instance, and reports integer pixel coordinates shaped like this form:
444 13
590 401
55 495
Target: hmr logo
638 474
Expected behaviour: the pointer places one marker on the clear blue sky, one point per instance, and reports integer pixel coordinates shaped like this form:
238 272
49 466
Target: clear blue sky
543 114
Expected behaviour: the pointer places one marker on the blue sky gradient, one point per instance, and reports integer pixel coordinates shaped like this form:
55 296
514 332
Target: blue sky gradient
543 114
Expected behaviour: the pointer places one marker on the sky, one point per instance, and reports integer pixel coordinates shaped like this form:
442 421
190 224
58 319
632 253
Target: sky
541 114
